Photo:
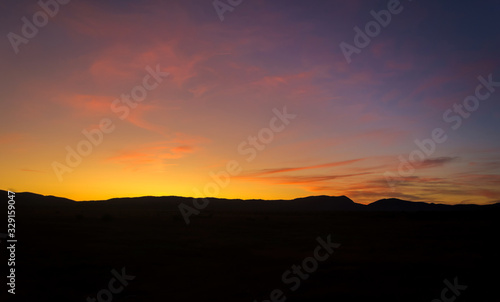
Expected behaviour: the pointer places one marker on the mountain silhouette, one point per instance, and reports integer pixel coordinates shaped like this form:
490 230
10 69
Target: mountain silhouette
308 204
384 247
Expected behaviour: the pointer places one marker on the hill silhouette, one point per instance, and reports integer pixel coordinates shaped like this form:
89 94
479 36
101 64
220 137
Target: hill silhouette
308 204
238 250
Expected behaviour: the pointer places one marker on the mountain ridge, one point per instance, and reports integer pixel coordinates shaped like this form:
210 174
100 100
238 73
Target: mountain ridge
308 203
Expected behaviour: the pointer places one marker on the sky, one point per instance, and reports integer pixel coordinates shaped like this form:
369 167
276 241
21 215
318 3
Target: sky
251 99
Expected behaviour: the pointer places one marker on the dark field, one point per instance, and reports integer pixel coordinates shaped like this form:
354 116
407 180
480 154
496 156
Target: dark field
67 254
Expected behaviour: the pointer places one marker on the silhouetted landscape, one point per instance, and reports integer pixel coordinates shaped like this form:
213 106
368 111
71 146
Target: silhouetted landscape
250 151
237 250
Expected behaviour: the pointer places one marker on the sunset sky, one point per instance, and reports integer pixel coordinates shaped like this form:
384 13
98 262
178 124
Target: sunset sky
232 79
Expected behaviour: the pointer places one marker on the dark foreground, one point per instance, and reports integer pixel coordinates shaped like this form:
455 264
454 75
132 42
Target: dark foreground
68 253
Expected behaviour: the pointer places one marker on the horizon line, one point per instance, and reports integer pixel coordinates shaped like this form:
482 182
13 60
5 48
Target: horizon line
250 199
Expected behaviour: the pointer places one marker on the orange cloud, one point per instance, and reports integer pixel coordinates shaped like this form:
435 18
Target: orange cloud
87 104
156 155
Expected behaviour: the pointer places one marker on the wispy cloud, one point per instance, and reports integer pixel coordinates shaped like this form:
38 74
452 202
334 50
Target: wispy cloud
436 162
283 170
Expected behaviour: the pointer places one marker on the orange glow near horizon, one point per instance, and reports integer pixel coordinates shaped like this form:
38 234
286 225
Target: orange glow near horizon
101 69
